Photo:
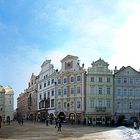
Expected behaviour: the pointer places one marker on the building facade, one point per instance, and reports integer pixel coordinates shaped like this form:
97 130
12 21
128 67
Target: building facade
70 97
9 103
22 105
127 93
46 91
99 93
32 97
2 103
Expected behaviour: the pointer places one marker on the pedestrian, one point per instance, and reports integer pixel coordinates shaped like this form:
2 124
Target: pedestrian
135 125
22 120
138 125
0 121
56 122
47 122
59 126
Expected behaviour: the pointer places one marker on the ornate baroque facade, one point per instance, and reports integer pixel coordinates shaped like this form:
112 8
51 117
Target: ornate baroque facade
70 97
99 93
46 91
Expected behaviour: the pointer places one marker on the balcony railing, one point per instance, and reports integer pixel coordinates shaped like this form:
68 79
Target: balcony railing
100 109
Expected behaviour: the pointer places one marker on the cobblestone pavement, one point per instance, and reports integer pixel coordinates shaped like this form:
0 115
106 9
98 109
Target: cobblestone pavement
39 131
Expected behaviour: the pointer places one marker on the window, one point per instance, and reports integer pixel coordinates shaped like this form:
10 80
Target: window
100 90
130 105
44 95
59 105
65 105
119 92
78 78
108 90
52 93
119 80
100 103
44 84
91 103
130 92
92 79
40 96
48 94
78 104
65 80
100 79
59 91
78 90
108 103
131 81
72 90
48 82
52 81
40 86
137 81
65 91
72 104
72 79
108 80
125 80
59 81
125 92
52 102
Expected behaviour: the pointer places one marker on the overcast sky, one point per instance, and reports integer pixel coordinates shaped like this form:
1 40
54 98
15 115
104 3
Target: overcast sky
32 31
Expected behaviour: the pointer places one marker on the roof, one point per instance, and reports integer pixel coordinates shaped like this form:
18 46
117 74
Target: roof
2 90
69 57
8 90
124 68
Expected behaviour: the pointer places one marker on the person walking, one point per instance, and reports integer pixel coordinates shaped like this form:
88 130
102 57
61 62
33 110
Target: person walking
0 121
22 120
135 125
59 126
56 123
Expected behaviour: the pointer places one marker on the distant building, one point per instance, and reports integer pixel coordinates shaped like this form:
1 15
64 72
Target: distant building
32 97
46 91
2 102
127 93
99 93
22 105
9 103
70 96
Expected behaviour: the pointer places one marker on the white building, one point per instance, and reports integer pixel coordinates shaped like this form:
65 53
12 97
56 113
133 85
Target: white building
2 102
127 93
70 97
46 91
99 93
9 103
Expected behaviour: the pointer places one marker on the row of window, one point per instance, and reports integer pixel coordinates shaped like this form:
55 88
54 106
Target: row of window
47 94
100 79
72 79
70 105
92 103
128 105
100 90
128 92
45 84
128 80
46 104
72 91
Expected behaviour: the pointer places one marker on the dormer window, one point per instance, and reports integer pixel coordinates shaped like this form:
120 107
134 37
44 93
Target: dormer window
69 65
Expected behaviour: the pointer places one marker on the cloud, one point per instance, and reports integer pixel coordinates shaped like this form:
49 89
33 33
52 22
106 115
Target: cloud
126 40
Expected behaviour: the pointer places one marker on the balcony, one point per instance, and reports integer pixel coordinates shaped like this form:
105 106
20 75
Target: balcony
100 109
